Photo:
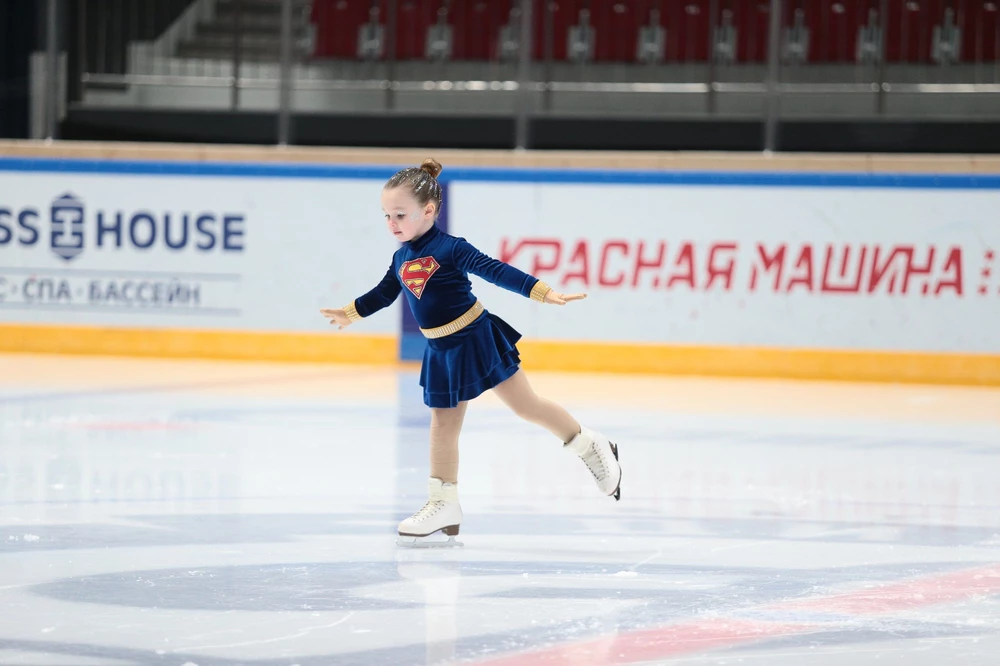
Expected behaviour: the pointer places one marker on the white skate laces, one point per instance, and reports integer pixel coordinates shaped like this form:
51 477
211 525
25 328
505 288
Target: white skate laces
427 511
596 463
601 458
442 513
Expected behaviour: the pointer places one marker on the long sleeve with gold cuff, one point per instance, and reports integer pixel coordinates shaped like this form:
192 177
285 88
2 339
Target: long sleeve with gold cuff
383 295
432 272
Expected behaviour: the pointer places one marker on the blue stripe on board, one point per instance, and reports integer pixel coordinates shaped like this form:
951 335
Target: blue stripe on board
411 345
510 175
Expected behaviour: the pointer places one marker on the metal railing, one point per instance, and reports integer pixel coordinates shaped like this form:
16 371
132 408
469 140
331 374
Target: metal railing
386 50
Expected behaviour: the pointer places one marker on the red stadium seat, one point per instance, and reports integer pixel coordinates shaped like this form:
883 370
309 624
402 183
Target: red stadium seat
564 13
411 28
978 21
686 22
616 24
477 25
911 23
842 18
337 23
752 21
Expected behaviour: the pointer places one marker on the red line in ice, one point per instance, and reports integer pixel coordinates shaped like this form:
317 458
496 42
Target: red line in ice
703 635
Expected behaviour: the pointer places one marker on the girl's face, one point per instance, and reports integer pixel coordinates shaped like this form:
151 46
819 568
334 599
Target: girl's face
404 215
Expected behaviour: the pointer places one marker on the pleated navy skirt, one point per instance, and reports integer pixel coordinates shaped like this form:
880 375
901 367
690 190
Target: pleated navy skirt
465 364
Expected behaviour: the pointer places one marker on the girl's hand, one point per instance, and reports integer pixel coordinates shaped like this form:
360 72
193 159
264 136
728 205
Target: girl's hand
337 316
555 298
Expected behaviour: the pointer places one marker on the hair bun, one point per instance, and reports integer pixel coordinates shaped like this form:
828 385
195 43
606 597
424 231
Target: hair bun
431 166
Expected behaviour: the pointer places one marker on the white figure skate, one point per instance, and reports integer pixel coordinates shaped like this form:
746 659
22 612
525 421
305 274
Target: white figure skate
601 458
441 513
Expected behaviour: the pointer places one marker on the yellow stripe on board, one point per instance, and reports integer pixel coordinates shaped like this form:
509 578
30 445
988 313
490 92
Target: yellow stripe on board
909 367
243 345
841 365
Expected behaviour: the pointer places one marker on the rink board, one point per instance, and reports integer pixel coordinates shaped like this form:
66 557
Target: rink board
846 276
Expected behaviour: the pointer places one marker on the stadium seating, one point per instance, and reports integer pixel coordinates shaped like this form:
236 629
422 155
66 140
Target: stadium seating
833 26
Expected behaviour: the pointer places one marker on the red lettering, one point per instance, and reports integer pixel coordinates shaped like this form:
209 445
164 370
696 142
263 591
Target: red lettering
583 270
684 259
954 264
641 264
804 262
769 262
879 271
507 255
726 271
846 269
925 270
602 277
848 287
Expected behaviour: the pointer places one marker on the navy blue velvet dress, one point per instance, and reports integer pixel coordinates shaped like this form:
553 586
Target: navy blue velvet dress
432 271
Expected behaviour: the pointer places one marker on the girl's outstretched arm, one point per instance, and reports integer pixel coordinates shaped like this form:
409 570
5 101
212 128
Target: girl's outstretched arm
471 260
383 295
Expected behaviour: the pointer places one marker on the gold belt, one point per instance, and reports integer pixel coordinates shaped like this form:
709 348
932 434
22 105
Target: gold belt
457 325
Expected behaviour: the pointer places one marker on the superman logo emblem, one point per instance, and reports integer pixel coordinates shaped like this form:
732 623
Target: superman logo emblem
414 274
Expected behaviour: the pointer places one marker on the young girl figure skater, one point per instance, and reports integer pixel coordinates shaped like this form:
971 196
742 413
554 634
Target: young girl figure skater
469 350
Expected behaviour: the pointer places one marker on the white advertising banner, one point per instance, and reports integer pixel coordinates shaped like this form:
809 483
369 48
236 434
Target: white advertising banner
175 251
888 268
807 267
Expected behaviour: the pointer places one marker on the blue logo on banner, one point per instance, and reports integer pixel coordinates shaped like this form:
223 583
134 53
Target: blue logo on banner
142 229
67 226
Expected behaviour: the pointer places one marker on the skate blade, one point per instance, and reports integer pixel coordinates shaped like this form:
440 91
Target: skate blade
430 541
618 491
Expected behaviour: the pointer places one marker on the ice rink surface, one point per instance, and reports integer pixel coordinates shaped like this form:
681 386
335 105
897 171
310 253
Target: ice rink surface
185 512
